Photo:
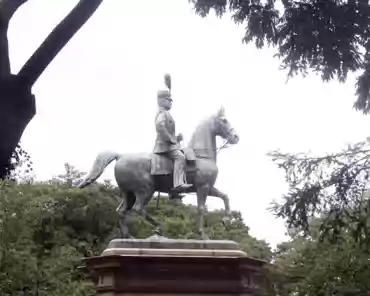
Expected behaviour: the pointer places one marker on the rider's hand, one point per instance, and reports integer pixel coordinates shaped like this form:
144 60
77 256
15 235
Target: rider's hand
180 137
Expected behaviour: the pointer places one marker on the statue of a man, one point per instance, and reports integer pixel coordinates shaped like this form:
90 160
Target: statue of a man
168 143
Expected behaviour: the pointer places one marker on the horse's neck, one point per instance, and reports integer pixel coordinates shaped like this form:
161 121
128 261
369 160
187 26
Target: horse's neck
203 141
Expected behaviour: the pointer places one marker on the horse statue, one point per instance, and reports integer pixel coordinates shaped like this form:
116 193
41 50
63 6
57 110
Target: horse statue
138 181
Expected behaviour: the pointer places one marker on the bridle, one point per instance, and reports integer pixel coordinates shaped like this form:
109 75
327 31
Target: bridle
223 146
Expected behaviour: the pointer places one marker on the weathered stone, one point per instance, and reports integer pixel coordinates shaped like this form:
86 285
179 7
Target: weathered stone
157 266
160 242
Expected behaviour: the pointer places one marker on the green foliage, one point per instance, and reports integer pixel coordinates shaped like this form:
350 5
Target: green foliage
46 228
71 177
307 266
329 37
334 187
19 167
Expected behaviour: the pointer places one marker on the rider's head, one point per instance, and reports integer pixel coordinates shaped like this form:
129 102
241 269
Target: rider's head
164 99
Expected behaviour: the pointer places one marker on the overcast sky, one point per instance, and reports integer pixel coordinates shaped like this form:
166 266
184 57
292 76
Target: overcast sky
100 93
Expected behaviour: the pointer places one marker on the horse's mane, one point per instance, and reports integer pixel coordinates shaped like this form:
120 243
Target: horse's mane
203 139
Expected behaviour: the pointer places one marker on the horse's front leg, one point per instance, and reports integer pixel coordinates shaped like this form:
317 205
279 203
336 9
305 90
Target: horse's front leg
217 193
202 197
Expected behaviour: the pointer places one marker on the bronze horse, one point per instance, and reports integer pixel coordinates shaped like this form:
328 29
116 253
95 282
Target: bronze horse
138 185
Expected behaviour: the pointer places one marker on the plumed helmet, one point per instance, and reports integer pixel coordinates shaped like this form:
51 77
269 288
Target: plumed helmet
165 93
167 81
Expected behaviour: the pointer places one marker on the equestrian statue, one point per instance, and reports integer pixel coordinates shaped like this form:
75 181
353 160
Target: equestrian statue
169 169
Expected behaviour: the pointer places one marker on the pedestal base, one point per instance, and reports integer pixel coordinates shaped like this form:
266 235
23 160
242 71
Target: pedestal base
161 246
158 266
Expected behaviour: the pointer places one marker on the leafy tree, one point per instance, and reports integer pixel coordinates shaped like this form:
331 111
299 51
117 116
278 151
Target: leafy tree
307 266
20 166
70 178
334 186
46 230
328 37
17 104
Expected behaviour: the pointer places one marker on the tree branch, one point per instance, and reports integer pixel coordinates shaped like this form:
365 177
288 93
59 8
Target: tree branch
56 40
9 7
7 10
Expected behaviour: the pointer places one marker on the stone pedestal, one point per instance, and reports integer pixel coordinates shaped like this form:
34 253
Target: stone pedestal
158 266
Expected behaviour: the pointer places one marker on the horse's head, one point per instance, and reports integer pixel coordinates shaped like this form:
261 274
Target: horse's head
224 129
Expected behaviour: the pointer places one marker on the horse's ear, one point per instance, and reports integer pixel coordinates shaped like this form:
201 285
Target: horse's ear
221 112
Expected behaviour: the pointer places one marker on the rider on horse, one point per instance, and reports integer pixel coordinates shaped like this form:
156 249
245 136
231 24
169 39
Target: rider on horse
167 143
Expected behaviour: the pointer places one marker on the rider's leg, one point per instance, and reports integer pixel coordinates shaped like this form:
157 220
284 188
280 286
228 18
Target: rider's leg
178 173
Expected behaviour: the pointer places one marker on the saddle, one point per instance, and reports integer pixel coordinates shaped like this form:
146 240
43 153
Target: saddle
161 164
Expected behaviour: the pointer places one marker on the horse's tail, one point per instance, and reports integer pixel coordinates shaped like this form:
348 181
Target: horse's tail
101 162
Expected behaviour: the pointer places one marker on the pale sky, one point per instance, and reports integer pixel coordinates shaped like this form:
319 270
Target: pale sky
100 94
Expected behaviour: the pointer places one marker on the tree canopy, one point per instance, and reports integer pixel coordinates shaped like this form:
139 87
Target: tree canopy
20 165
328 37
334 187
307 266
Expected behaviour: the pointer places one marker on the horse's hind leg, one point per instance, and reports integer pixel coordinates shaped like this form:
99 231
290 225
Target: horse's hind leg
140 208
128 201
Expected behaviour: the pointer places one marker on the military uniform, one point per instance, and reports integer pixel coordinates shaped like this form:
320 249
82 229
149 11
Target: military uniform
166 140
167 143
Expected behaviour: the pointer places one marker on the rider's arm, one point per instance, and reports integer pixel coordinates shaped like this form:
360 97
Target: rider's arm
162 130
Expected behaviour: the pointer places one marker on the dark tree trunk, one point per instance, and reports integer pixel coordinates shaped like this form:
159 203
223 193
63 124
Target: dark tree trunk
17 108
17 104
4 49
